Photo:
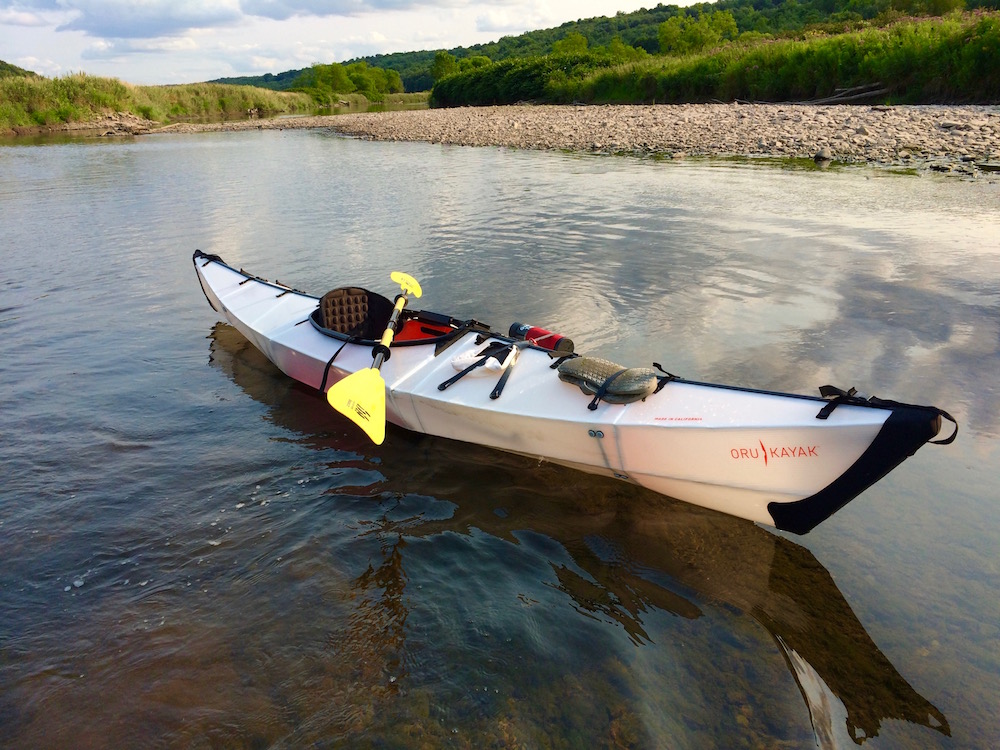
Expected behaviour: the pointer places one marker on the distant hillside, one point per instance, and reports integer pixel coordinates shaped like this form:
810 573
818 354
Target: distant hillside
636 29
639 29
6 69
275 82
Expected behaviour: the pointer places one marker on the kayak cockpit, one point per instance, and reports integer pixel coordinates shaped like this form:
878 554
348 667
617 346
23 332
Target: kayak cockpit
360 316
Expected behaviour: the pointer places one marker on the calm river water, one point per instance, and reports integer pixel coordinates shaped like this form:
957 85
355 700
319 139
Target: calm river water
196 552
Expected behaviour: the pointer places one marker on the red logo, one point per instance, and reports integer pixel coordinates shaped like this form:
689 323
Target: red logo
773 454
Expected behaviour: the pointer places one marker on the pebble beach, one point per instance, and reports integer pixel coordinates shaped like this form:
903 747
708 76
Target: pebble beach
960 139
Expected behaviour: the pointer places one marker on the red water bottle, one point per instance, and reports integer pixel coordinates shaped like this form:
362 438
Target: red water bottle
540 337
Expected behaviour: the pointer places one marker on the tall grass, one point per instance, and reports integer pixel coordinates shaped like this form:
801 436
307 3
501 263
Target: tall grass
517 79
941 60
954 59
211 100
31 101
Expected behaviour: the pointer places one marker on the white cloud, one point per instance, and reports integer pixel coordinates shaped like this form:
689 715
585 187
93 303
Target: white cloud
15 17
260 58
177 41
42 66
503 22
127 19
261 63
138 19
118 48
280 10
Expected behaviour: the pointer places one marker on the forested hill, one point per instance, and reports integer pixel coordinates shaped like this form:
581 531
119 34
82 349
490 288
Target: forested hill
640 29
6 69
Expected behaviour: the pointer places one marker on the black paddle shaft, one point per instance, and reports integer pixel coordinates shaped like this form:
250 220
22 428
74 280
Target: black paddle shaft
381 350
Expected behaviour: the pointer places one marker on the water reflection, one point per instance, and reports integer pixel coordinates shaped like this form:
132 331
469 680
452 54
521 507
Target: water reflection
619 554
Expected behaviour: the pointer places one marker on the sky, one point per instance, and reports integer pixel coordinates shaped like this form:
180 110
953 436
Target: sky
186 41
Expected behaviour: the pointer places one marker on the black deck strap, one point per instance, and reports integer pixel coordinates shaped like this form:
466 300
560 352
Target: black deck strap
662 380
498 389
827 410
329 364
563 358
837 396
495 348
504 377
604 389
459 332
198 254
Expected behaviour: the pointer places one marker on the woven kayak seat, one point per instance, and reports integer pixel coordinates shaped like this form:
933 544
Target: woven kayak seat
354 312
606 381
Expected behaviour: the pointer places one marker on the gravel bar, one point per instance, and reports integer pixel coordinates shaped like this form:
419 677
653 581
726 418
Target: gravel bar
963 139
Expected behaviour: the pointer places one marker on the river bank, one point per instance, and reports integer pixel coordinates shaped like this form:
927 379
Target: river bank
962 139
965 139
942 137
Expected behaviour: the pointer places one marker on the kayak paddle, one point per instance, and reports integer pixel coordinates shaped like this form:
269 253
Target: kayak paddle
361 395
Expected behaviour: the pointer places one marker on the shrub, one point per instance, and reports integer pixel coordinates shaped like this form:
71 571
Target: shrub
33 100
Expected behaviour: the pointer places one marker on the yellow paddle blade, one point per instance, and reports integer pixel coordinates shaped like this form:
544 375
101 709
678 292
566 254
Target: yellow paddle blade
361 398
409 284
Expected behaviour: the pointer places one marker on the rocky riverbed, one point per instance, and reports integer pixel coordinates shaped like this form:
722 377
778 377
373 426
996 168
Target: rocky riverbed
963 139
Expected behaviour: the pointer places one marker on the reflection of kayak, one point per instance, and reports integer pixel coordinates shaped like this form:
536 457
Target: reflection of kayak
781 459
620 555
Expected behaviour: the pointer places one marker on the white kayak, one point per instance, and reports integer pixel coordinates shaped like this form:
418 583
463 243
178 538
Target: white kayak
781 459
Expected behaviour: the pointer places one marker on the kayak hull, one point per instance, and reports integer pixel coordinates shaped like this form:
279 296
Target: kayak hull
767 457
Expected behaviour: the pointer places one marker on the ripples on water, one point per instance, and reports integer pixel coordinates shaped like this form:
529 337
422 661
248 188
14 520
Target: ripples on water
196 553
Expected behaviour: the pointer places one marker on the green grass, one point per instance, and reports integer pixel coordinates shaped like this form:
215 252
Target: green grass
953 59
33 101
212 100
412 98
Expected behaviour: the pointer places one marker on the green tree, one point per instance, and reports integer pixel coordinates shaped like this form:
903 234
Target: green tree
443 66
670 32
393 81
944 7
322 82
622 52
682 34
574 43
333 78
471 63
373 82
325 82
6 69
